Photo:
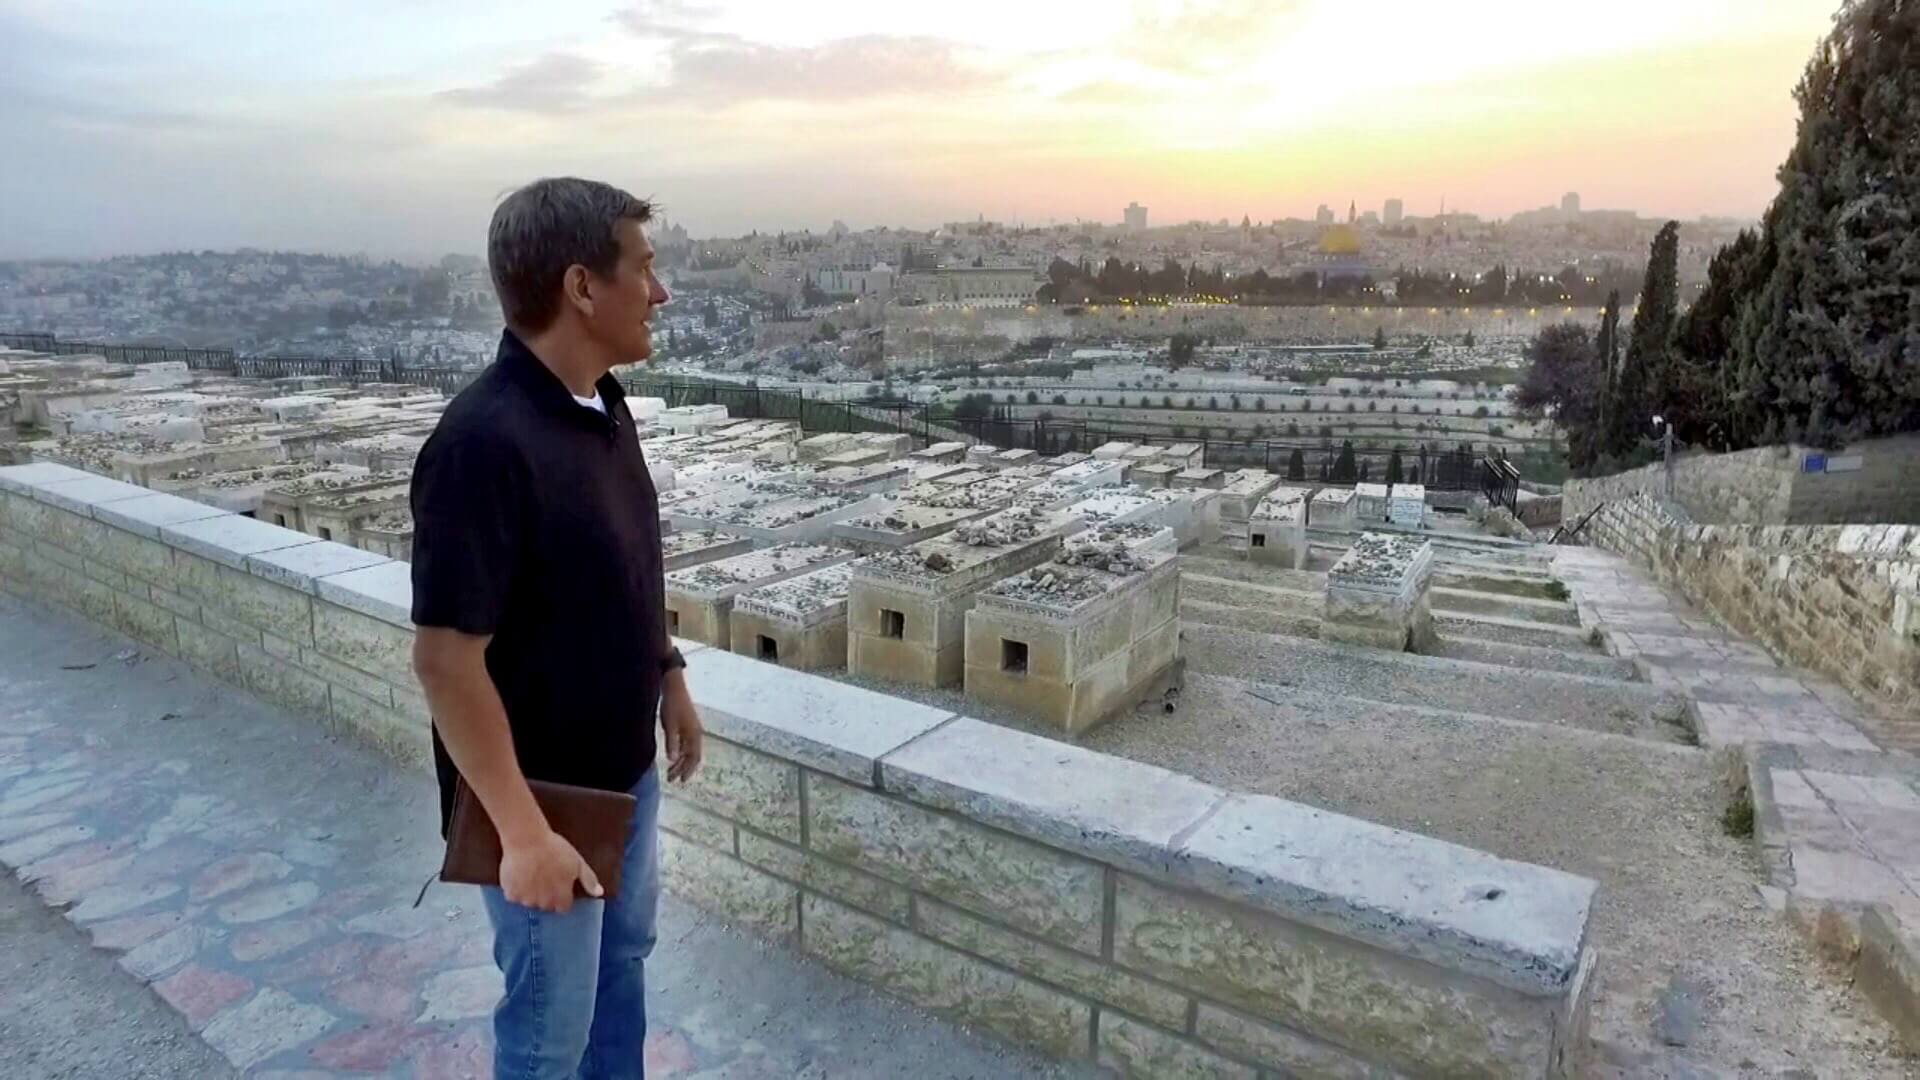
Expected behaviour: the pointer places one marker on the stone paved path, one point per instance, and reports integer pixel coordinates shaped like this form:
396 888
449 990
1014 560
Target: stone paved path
1836 814
260 876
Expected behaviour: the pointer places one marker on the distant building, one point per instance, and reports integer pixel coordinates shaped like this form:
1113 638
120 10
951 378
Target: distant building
1324 215
1135 216
1570 204
985 286
1393 212
1370 218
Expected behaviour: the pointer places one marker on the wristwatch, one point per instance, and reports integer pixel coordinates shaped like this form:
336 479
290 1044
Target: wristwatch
673 661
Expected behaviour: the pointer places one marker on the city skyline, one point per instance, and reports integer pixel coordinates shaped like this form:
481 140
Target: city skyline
392 132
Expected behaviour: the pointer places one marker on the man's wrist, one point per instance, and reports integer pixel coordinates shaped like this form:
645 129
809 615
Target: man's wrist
674 681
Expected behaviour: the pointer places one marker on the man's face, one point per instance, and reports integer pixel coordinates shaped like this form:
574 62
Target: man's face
623 303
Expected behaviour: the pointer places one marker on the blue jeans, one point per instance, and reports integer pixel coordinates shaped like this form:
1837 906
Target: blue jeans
575 1002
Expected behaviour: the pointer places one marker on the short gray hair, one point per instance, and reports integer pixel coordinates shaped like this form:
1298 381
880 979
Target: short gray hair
542 229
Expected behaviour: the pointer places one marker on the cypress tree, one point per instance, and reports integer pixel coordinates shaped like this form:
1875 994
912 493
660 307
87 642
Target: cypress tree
1646 380
1832 336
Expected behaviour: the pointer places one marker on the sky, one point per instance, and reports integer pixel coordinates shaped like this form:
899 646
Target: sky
393 126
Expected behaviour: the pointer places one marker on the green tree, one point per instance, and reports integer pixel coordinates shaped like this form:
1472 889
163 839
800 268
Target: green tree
1180 348
1646 381
1563 381
1296 465
1379 338
1606 353
1344 469
974 407
1833 332
1394 467
1712 401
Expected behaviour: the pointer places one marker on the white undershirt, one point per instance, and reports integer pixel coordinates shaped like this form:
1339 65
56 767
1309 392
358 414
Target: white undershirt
593 402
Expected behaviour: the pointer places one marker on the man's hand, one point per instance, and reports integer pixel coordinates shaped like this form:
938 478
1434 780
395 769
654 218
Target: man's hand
539 872
681 723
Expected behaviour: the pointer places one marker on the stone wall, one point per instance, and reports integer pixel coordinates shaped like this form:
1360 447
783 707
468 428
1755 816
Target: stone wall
1093 907
1843 600
1874 481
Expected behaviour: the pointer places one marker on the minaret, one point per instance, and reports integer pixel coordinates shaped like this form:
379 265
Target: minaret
1350 217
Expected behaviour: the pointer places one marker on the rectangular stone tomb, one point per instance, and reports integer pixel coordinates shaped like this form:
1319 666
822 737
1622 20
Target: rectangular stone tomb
983 457
691 548
1332 509
1277 532
1009 458
700 598
1092 473
1188 455
1153 475
1377 594
814 447
1370 502
906 609
797 623
944 453
877 477
1082 636
1114 451
1199 478
1407 505
855 455
778 513
902 523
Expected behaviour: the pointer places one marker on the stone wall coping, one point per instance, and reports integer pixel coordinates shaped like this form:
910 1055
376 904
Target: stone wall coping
81 495
230 539
31 477
146 514
1108 808
300 567
838 729
1516 924
381 591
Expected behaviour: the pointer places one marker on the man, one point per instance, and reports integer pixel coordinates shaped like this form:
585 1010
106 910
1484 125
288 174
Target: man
540 605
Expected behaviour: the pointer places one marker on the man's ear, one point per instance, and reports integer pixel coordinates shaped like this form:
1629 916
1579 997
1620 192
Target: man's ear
576 290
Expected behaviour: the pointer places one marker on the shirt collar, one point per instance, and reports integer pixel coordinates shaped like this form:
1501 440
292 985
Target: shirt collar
519 362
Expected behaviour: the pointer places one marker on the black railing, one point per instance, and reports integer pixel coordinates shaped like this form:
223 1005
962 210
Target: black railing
1500 482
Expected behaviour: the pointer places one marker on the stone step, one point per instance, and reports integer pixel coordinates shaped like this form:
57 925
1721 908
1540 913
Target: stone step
1553 612
1258 619
1570 659
1222 590
1512 631
1548 697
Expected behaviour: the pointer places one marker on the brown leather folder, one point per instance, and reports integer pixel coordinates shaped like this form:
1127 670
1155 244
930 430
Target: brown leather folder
595 822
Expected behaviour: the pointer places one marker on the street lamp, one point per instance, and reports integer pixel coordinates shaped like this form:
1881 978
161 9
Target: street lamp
1666 452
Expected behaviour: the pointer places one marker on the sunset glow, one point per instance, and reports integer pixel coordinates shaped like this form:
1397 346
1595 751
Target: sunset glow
393 127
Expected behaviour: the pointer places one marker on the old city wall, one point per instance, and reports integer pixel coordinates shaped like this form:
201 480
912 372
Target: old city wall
1872 481
1843 600
1091 906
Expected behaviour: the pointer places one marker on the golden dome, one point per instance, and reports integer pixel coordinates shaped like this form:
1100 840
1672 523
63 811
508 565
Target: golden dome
1339 240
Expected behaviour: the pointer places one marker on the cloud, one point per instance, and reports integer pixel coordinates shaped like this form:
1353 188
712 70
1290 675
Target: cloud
1202 35
558 82
721 71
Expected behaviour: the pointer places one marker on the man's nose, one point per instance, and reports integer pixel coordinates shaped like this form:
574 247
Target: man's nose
660 293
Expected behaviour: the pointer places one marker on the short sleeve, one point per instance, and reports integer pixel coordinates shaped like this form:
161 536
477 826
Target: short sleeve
468 495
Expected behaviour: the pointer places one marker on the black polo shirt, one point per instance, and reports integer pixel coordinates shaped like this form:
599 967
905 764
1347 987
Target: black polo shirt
534 520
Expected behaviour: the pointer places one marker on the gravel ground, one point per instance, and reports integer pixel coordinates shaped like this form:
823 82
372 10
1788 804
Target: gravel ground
1677 896
1510 631
67 1011
1600 704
